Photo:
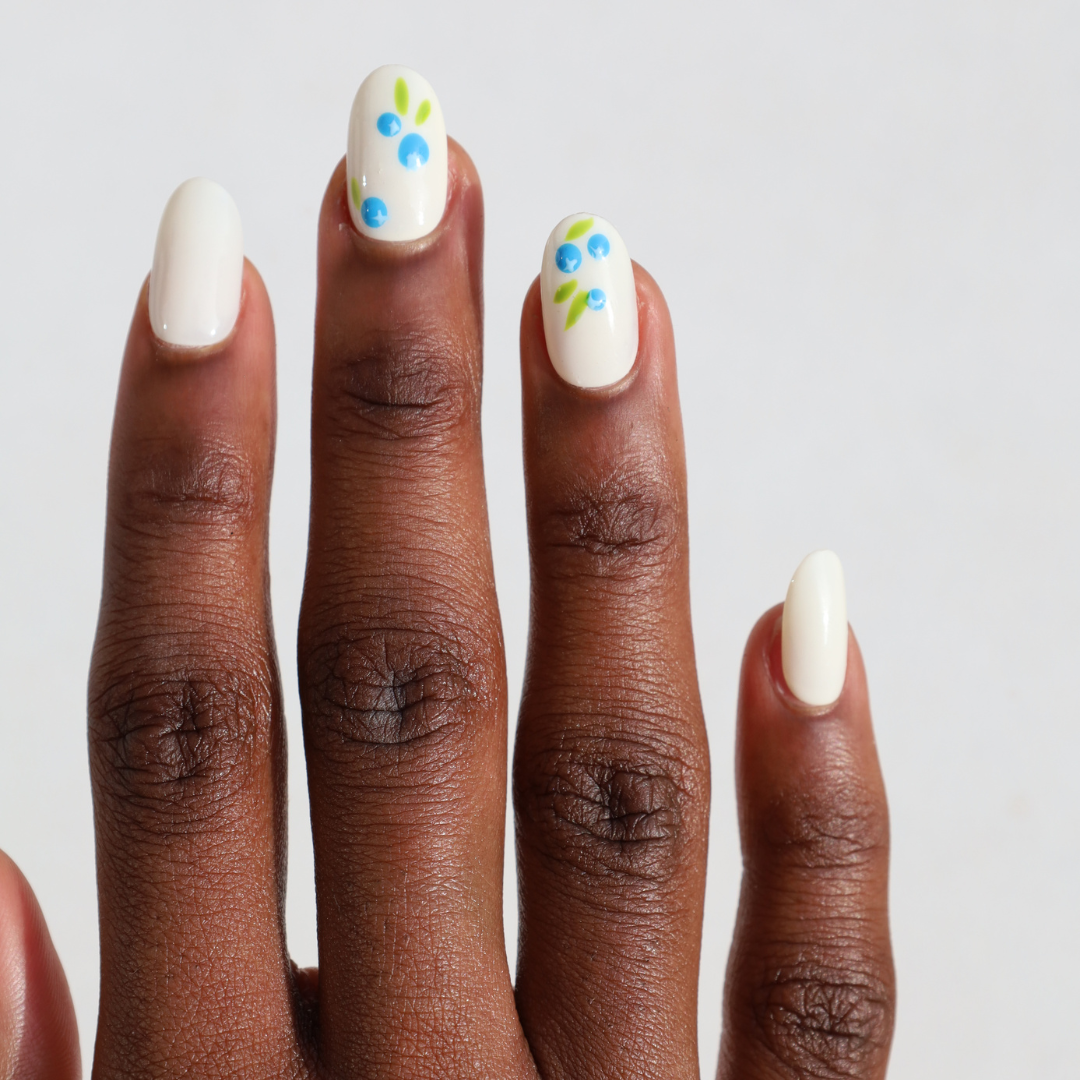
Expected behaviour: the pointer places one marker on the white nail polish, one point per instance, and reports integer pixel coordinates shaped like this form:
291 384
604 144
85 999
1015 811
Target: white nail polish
589 302
815 630
198 266
396 161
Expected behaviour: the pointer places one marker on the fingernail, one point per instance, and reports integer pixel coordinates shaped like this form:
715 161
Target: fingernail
198 266
396 161
589 302
814 631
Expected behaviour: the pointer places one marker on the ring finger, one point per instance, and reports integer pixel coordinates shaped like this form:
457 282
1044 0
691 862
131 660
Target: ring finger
611 772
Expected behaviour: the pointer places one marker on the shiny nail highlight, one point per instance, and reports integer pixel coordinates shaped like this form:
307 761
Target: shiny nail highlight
814 632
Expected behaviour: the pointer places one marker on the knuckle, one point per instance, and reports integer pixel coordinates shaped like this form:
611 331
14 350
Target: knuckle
186 740
205 483
617 526
389 697
837 826
413 384
823 1021
609 806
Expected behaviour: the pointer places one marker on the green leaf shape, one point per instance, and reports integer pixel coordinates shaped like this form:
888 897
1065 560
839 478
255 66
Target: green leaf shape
423 112
580 228
401 96
577 308
354 187
565 291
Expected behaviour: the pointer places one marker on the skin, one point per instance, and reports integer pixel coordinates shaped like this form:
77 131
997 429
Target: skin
404 696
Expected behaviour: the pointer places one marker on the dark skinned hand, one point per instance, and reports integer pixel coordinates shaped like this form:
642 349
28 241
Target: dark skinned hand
404 696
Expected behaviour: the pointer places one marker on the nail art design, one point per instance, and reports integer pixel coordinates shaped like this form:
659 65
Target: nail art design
396 161
198 270
814 631
589 302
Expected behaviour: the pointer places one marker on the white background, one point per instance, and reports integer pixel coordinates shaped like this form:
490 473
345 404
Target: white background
865 219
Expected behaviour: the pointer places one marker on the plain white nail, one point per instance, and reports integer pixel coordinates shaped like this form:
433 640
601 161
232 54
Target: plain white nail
396 161
589 302
815 630
198 267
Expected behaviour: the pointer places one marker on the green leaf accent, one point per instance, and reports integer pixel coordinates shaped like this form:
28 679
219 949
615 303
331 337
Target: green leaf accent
565 291
401 96
423 112
354 187
577 308
580 228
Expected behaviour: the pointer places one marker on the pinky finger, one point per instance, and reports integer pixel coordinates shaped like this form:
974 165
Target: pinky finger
810 986
38 1038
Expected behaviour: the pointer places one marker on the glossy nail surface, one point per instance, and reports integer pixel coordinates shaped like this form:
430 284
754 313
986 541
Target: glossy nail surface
198 266
589 302
815 630
396 162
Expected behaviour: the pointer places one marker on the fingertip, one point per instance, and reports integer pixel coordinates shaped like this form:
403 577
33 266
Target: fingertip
799 764
464 208
652 304
654 358
38 1035
249 345
764 687
463 171
532 326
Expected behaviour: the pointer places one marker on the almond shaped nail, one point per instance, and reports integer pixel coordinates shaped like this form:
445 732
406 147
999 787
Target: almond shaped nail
198 271
814 631
396 164
589 302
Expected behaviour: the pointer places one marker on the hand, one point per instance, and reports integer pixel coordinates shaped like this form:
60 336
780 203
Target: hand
404 697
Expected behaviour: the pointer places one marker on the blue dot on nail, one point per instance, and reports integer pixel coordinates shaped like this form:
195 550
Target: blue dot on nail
568 258
413 151
597 299
599 246
374 212
388 124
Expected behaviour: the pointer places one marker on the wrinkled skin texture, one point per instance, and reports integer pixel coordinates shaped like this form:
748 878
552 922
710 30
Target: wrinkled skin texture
404 697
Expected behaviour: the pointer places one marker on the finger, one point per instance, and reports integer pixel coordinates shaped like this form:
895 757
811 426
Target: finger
611 774
38 1036
810 987
400 650
186 744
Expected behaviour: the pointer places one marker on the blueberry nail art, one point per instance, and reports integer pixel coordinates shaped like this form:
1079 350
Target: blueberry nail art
568 260
397 157
589 302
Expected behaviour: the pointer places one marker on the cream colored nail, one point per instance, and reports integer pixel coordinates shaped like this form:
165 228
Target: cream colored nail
396 165
198 269
589 302
814 632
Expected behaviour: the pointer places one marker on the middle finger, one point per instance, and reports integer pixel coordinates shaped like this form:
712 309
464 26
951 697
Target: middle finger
400 650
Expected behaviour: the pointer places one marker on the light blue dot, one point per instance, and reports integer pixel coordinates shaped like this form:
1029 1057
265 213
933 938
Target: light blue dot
568 258
597 299
599 246
388 124
374 212
413 151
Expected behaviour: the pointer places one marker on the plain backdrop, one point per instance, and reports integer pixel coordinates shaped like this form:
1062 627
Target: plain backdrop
865 218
